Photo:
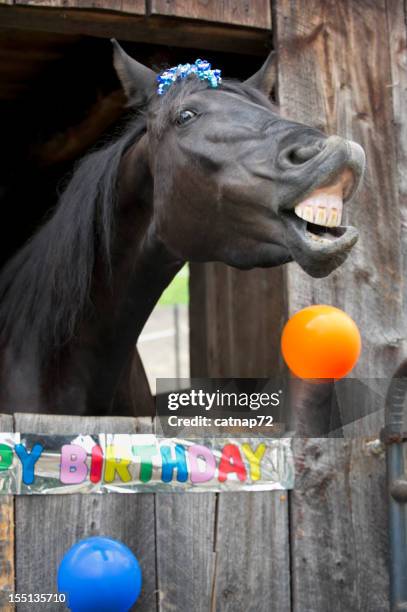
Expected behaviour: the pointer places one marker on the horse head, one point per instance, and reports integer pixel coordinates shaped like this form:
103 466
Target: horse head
236 182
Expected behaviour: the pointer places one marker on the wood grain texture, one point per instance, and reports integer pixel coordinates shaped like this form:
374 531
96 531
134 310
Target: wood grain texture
397 26
7 567
133 27
136 7
339 527
251 13
235 319
46 526
252 553
334 73
235 322
185 553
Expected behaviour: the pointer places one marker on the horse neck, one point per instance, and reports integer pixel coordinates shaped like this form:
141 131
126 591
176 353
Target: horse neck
141 269
142 266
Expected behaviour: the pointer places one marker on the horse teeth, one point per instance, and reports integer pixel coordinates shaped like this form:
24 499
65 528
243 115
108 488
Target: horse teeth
305 212
334 218
309 214
321 209
321 216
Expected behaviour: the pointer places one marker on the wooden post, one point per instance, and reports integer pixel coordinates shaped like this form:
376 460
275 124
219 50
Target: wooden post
397 87
235 321
7 568
334 73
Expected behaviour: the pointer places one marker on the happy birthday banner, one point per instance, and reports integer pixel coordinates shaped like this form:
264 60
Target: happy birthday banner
121 463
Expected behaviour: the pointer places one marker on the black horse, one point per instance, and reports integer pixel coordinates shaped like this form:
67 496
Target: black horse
199 174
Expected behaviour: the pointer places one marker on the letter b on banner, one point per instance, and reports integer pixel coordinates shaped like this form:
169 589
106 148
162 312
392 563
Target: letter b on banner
73 464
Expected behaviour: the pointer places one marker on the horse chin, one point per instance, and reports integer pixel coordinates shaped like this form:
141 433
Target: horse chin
261 255
319 250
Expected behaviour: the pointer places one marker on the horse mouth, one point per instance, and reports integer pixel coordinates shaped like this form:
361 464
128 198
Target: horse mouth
315 236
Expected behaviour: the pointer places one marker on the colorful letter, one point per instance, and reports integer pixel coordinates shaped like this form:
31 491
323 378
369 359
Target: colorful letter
73 468
113 465
207 473
28 461
96 465
146 453
254 459
169 464
6 457
231 462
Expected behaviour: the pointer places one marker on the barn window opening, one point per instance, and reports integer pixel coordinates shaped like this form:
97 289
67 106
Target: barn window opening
76 104
164 342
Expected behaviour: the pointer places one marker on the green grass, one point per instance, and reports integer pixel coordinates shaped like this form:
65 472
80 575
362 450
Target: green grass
177 290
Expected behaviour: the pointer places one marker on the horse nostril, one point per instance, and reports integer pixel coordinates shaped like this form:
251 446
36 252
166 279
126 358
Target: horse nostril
300 154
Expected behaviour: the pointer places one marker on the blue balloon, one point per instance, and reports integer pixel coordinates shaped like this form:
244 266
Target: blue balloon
99 575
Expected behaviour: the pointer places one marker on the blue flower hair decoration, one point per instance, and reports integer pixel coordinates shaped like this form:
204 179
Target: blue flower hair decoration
201 69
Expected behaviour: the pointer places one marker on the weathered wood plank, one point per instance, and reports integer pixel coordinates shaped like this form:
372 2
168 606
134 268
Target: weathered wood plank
335 77
129 518
7 568
397 20
136 7
235 321
252 553
339 527
255 13
331 77
251 545
132 27
185 554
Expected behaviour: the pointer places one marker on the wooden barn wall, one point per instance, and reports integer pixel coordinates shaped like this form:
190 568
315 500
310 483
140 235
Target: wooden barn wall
342 68
200 552
335 71
253 13
240 26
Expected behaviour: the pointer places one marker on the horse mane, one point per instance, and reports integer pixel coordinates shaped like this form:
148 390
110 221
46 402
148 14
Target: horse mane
45 287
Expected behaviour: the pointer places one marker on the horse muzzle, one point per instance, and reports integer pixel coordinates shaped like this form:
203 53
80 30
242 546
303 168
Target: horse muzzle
315 237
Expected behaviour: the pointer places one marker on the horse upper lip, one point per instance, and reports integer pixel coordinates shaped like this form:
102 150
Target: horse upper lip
348 173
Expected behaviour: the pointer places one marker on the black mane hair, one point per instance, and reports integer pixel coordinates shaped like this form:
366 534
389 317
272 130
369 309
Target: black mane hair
45 287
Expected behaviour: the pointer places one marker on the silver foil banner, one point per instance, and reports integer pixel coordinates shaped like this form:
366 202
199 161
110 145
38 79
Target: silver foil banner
136 463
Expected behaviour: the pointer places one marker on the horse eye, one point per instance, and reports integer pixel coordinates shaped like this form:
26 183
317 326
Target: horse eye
184 116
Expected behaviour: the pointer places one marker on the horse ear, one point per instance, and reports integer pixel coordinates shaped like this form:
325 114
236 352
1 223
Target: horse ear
265 78
137 80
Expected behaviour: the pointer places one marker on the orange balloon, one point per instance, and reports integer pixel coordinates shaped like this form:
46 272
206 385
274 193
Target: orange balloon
321 342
